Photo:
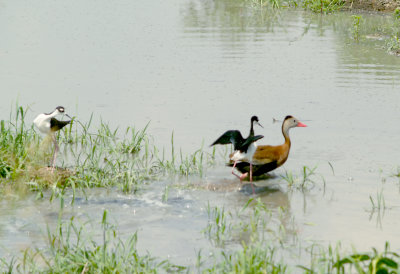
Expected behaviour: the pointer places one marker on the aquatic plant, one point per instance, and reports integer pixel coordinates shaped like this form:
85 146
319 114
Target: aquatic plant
397 172
378 205
356 26
375 262
396 13
217 229
70 249
393 45
257 258
335 260
276 4
305 180
323 6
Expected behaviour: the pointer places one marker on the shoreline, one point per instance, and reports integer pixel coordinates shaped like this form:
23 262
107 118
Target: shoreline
373 5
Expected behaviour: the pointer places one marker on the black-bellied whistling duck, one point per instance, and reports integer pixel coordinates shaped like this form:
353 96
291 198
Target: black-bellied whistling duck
267 158
47 124
243 148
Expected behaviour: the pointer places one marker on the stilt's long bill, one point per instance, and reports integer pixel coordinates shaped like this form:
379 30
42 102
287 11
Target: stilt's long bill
47 124
267 158
243 148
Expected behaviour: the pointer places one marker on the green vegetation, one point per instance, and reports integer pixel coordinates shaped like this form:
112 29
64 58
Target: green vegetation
356 26
250 239
70 249
396 13
323 6
397 173
385 262
100 158
335 260
317 6
379 204
304 181
393 45
217 229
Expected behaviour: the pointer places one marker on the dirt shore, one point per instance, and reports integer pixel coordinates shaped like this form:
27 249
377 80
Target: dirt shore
378 5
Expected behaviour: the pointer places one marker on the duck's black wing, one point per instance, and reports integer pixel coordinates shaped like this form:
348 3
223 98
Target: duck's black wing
258 170
230 137
57 125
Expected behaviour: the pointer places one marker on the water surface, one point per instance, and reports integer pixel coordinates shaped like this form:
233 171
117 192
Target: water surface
198 68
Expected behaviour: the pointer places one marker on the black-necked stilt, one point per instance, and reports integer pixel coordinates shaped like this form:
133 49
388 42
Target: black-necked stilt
47 124
267 158
243 148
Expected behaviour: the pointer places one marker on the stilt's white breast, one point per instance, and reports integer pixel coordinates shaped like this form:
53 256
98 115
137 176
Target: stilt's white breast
42 122
245 157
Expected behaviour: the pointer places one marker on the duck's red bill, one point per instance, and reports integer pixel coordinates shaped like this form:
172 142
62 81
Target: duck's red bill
300 124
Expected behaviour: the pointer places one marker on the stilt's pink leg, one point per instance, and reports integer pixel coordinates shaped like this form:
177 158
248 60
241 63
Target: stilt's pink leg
251 178
53 164
241 177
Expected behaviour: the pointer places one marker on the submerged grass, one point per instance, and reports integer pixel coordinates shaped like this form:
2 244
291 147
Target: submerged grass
335 260
305 180
94 158
317 6
70 249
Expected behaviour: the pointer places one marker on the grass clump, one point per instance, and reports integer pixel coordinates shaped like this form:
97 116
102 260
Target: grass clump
88 158
305 180
356 27
317 6
323 6
217 230
333 261
393 45
256 258
71 250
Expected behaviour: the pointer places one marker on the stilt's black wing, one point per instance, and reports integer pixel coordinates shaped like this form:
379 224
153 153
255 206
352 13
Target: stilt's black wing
249 141
57 125
258 170
230 137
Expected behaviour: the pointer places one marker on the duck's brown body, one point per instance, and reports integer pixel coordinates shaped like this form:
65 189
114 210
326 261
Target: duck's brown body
267 154
267 158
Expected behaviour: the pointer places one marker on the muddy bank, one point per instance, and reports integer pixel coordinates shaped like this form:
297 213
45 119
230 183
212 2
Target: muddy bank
377 5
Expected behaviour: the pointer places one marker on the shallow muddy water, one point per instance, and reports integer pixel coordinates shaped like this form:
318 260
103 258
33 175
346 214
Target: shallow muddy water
198 68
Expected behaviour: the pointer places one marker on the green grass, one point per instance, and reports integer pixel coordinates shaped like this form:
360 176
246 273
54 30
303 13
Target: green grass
335 260
70 249
356 26
100 157
317 6
127 159
306 180
323 6
393 44
217 229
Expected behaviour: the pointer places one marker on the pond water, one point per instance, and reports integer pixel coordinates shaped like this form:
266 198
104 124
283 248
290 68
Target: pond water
198 68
